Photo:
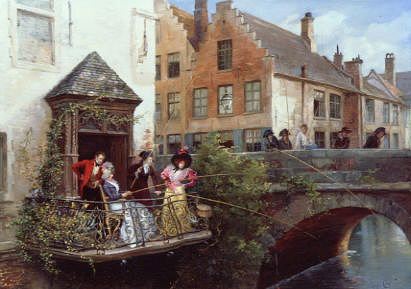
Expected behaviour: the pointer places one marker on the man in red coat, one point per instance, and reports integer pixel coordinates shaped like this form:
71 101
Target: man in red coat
89 173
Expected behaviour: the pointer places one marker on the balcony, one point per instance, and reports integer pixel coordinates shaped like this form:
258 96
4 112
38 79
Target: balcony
98 232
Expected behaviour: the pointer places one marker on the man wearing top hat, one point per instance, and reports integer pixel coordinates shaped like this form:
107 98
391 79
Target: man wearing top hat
343 140
374 140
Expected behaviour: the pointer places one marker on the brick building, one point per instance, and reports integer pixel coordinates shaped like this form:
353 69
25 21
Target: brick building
249 75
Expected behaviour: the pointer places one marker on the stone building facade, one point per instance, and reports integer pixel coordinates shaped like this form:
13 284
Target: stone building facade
41 41
403 80
174 60
249 75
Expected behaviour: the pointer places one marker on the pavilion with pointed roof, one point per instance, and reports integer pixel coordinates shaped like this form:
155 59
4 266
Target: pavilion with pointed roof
94 81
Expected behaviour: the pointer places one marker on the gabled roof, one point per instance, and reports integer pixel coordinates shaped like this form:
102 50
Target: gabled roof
375 84
93 77
186 19
291 53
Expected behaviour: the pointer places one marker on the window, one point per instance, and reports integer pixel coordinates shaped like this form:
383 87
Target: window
174 105
159 144
3 161
386 113
226 138
386 141
333 138
395 114
320 139
173 143
225 54
35 32
319 103
158 67
253 96
174 65
370 110
252 140
158 107
200 102
395 144
225 99
335 106
198 139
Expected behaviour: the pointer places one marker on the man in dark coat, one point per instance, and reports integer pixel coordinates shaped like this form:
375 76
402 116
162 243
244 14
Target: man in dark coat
139 174
343 140
374 140
89 174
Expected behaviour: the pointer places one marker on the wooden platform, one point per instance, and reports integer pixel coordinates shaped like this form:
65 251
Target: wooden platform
149 248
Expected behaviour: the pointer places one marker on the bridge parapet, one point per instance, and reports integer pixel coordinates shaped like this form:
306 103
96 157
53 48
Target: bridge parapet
353 166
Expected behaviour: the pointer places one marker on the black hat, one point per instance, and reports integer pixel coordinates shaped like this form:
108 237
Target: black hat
182 155
284 132
380 129
268 132
144 154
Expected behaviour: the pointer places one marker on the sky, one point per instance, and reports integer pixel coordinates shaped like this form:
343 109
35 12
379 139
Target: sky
370 28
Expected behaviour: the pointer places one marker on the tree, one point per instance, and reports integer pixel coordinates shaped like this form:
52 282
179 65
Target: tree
236 252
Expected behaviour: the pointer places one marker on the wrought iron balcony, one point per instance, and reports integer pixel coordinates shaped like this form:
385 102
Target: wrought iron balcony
104 231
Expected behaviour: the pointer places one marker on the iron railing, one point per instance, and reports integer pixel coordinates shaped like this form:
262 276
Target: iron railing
78 225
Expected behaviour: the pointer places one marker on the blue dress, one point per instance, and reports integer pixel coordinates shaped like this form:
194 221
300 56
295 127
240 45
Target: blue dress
139 225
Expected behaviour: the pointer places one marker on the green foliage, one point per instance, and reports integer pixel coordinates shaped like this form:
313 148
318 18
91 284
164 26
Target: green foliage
40 224
236 252
297 184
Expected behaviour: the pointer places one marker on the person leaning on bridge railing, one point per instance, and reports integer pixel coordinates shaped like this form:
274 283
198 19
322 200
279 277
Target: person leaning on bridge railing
270 141
285 143
343 140
302 141
374 140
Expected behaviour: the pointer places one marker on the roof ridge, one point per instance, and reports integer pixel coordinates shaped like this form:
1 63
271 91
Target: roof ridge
272 24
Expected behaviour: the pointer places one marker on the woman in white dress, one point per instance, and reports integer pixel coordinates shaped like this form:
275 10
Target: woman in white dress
139 224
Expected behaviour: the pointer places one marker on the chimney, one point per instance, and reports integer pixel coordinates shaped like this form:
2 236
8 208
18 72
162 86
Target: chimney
390 68
354 68
200 19
338 58
307 31
223 6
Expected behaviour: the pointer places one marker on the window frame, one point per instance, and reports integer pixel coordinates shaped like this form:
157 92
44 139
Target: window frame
158 68
14 18
196 144
367 115
175 104
219 100
386 119
395 114
224 55
396 137
323 141
257 144
169 63
174 143
334 105
323 111
253 100
159 142
202 98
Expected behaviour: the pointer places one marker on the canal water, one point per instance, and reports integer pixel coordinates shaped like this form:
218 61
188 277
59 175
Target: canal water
379 257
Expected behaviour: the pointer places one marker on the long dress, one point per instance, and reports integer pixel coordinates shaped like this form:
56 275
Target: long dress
140 183
176 218
139 225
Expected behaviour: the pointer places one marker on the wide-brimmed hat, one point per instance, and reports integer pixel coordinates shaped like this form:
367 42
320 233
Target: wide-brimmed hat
182 155
380 129
268 132
346 130
144 154
284 132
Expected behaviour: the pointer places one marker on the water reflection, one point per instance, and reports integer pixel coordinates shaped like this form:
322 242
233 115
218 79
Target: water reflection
379 258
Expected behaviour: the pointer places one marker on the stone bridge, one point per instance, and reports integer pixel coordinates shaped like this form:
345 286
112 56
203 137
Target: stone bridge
353 184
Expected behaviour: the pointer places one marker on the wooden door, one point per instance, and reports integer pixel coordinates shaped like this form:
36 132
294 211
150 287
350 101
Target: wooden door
118 156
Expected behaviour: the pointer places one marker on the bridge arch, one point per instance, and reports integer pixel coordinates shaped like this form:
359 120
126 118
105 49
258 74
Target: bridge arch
314 238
